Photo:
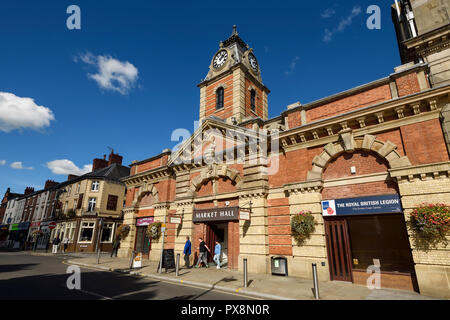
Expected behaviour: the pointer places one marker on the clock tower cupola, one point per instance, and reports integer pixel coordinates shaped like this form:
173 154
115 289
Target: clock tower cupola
233 89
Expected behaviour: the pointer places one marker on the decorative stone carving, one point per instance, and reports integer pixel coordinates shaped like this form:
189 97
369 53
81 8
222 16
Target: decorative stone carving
346 139
347 143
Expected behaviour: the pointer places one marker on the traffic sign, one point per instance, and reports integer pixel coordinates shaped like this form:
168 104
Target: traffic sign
52 225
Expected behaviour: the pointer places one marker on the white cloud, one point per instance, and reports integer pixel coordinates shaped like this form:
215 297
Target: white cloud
66 167
328 13
343 24
112 74
19 166
18 113
292 66
2 162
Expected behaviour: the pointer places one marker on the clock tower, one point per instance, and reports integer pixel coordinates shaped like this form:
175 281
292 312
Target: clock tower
233 89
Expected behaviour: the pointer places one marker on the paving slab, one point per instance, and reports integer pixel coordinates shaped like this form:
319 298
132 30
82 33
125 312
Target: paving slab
265 286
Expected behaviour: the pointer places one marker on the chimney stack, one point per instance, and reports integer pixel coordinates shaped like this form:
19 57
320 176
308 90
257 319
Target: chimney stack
28 190
71 176
114 158
50 183
99 164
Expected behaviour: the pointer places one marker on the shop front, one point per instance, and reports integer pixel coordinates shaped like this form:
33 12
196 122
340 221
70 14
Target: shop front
143 241
44 237
4 231
18 233
222 225
367 235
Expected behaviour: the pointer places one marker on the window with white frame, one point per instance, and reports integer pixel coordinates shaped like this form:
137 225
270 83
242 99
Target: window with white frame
78 187
107 232
86 231
91 204
75 203
95 185
73 226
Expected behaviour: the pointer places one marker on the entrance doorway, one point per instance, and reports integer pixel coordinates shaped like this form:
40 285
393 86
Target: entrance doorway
217 232
143 242
338 247
356 242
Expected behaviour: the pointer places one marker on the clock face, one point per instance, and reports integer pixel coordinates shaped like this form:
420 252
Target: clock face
253 62
220 59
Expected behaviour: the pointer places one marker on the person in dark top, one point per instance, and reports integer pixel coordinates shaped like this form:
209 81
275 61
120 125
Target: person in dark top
56 243
115 245
187 252
203 248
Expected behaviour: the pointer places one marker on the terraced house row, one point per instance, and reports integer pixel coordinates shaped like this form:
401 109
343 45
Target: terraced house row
359 162
86 210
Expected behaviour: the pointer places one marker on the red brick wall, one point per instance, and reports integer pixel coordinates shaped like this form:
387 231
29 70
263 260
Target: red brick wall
364 162
359 190
293 167
366 98
424 142
156 163
227 111
395 137
206 189
280 241
407 84
146 213
294 119
258 100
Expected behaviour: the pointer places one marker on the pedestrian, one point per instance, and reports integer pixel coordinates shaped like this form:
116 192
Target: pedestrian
217 252
202 248
65 243
115 246
187 252
56 242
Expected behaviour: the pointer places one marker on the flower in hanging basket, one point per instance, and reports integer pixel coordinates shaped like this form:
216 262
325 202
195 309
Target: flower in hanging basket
302 225
154 230
123 231
430 225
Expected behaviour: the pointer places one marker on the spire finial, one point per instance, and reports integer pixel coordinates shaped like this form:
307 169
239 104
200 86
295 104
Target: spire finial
234 30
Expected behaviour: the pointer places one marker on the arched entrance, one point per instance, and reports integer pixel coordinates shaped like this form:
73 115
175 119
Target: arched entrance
364 223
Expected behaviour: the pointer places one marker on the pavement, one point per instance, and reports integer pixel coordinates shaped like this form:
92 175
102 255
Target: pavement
25 276
262 286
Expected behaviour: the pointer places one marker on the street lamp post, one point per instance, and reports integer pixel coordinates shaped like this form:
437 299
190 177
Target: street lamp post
100 229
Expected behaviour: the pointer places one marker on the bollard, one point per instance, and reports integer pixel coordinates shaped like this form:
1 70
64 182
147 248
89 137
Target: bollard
132 258
245 273
177 266
315 282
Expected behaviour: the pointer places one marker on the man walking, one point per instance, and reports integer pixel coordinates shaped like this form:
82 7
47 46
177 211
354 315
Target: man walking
203 254
187 252
56 243
115 245
65 244
217 252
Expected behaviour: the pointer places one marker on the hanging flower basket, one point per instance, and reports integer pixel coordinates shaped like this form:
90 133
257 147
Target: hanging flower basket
430 226
36 234
123 231
302 225
71 213
154 230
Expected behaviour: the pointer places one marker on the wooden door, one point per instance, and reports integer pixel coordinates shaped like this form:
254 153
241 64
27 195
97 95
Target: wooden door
210 240
338 247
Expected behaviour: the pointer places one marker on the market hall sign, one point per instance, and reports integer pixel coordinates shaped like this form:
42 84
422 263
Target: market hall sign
365 205
216 214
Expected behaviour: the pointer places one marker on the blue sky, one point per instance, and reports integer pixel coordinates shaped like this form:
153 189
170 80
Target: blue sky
160 50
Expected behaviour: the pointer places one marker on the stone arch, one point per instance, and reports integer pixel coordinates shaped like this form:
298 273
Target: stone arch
147 189
215 172
347 143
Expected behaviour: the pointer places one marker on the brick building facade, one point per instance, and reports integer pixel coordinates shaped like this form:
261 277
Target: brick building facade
381 139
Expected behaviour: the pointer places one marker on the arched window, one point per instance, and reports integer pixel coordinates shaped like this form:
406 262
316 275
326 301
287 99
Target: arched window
253 100
219 98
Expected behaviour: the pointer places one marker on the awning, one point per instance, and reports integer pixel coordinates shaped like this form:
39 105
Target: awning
23 226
